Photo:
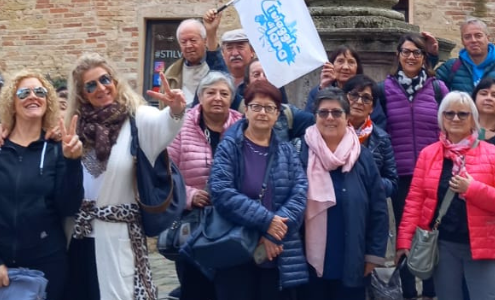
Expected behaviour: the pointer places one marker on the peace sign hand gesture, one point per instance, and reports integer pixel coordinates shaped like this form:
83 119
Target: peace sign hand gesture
174 98
71 145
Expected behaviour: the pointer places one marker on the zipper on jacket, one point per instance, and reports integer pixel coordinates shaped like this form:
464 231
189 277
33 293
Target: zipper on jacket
414 134
16 210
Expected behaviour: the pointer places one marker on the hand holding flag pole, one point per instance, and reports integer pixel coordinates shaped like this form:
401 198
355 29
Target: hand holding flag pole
226 5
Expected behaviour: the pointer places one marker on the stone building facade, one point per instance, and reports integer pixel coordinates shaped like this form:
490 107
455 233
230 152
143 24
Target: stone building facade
49 35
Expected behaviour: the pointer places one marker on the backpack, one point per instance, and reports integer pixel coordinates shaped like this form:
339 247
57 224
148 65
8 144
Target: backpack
383 99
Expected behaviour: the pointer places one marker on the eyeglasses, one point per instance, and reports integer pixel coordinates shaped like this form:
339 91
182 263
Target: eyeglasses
39 92
462 115
269 109
355 96
406 52
323 113
104 79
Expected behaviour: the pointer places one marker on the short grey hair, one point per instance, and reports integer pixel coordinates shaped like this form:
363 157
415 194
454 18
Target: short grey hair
462 98
214 77
476 22
201 28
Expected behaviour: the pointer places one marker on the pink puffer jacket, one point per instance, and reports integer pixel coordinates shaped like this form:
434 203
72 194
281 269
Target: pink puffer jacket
192 153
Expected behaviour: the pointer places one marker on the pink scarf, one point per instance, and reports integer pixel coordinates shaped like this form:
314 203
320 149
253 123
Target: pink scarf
321 193
456 152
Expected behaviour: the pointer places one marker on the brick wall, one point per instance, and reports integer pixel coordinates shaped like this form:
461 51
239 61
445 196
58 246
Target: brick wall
49 35
443 17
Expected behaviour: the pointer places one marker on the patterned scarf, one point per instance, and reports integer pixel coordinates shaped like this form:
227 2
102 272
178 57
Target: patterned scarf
129 213
365 130
411 85
456 152
99 127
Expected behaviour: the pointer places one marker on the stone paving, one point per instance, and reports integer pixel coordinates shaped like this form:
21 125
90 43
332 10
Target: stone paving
164 274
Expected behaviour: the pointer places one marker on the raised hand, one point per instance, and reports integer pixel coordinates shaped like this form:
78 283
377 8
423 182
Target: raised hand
71 145
173 98
431 43
327 76
211 20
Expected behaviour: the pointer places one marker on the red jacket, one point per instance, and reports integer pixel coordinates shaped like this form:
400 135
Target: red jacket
421 201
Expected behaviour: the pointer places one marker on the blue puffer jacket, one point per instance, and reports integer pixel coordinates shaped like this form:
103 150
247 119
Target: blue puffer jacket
460 79
288 184
365 217
379 145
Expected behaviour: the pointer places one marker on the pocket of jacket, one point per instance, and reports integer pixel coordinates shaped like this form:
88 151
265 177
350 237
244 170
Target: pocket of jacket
126 258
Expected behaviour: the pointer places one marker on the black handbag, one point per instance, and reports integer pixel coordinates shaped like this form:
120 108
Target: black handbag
170 240
159 189
218 243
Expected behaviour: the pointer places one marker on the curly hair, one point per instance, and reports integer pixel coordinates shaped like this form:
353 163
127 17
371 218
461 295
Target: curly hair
125 94
8 98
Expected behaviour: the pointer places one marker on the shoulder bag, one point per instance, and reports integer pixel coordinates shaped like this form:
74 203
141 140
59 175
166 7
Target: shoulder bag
220 243
159 189
423 256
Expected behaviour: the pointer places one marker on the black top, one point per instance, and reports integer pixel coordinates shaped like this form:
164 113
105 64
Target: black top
212 137
454 225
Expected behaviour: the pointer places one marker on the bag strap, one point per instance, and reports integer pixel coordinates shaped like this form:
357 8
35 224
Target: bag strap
381 96
265 179
134 148
447 199
438 91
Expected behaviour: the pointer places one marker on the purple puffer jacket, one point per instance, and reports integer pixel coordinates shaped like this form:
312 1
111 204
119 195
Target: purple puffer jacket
411 125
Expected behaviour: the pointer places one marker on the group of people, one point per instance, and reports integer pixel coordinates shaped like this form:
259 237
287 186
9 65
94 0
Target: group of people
314 183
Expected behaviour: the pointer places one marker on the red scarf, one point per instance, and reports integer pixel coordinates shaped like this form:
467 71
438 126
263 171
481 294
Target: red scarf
456 152
365 130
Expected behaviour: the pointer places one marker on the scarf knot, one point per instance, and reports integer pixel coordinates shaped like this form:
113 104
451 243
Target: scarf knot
412 85
456 152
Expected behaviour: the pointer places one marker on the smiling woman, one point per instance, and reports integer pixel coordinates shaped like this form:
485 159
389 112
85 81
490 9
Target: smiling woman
40 182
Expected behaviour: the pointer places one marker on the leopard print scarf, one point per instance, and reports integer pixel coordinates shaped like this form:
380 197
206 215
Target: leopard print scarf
144 289
99 127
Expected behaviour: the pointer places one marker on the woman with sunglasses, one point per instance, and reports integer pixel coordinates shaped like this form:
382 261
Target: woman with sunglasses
346 224
462 163
193 150
249 150
360 93
411 107
40 182
108 260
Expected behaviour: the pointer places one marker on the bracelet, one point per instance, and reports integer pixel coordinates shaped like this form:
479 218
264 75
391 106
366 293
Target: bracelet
179 116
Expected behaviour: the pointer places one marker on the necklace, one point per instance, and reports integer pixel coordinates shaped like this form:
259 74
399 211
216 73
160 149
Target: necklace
207 135
260 153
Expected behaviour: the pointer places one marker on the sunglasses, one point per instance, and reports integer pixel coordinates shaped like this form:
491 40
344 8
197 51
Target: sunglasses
450 115
323 113
104 79
39 92
258 107
355 96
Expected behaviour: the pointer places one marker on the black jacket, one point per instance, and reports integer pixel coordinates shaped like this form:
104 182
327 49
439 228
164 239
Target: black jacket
38 187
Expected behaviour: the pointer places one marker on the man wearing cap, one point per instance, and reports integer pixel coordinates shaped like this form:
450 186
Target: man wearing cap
237 53
196 61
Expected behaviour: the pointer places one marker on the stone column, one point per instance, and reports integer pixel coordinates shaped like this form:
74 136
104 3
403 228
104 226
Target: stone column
369 26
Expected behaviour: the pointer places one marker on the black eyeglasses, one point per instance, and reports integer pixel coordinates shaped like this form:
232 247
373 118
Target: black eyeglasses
355 96
323 113
39 92
104 79
450 115
406 52
269 109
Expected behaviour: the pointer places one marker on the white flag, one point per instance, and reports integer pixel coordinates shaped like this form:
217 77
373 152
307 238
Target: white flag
284 37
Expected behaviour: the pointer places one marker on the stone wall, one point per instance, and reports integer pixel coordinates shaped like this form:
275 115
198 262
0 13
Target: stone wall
443 17
48 35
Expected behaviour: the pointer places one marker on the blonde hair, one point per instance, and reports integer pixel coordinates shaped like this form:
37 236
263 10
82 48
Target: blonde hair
8 97
76 96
